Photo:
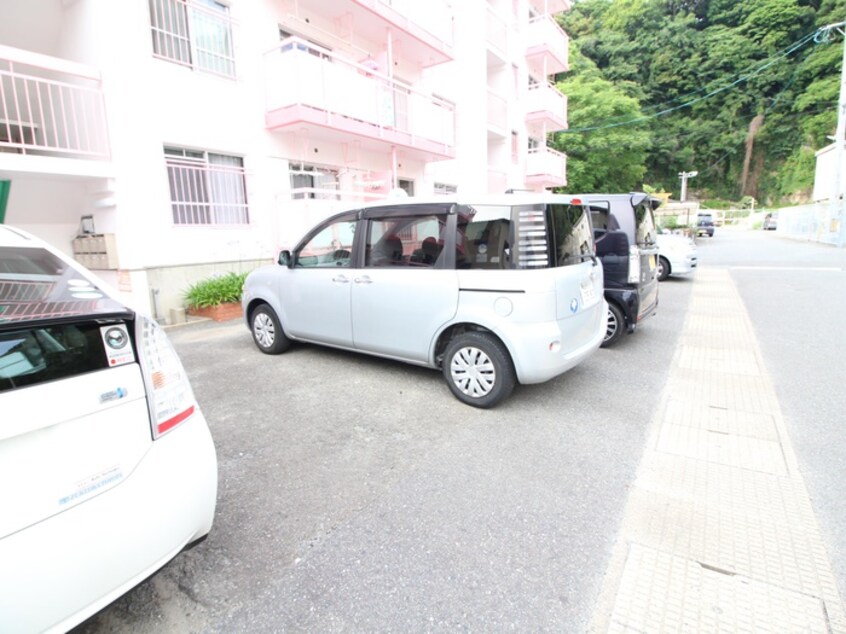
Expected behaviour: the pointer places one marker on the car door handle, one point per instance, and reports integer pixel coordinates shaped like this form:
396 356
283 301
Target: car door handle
341 279
364 279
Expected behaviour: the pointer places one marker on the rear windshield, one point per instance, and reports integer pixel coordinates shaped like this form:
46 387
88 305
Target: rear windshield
29 356
36 285
523 236
645 224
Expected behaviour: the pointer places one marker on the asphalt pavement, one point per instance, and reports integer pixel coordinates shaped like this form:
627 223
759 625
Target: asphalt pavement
646 490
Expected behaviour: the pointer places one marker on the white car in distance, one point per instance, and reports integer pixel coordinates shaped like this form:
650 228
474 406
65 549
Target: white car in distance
677 254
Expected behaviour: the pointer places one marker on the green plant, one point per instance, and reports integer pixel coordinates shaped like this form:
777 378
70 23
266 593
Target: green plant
220 289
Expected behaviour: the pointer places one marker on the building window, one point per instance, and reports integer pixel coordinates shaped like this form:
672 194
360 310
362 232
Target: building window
206 188
313 181
195 33
444 189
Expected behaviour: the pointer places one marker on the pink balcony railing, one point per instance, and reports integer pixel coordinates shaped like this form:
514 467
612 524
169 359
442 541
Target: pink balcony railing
50 106
308 85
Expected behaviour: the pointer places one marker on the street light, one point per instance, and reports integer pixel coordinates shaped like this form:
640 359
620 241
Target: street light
684 176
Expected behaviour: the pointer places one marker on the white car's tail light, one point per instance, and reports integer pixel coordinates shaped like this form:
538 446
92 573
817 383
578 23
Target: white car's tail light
169 395
634 264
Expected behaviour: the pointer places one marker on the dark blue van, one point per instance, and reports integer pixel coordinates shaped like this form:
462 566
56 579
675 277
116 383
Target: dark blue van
624 232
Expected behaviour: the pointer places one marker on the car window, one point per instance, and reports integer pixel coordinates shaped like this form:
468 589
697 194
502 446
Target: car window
29 356
571 234
408 241
645 222
485 236
332 246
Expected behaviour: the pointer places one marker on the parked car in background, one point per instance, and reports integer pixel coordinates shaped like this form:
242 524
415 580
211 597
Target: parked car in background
770 222
625 232
492 292
107 465
705 225
677 254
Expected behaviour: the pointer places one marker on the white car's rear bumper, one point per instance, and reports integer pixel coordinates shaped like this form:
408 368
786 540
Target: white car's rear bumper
57 573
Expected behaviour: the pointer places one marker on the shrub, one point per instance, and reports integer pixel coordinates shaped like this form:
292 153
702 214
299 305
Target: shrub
213 291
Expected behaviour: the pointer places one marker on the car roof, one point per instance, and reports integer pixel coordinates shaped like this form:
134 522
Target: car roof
11 237
517 198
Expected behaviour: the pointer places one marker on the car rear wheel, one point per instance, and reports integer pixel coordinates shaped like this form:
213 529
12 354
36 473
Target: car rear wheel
616 325
663 269
478 369
267 331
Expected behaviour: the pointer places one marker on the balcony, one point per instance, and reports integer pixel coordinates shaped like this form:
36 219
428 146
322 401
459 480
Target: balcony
310 88
547 47
497 38
546 109
421 30
50 107
497 180
546 167
550 7
497 114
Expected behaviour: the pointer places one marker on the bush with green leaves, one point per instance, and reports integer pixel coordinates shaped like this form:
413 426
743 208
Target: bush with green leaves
220 289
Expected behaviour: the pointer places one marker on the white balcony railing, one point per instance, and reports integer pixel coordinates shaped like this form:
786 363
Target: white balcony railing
497 181
348 95
548 7
547 46
546 164
497 32
497 110
50 106
544 97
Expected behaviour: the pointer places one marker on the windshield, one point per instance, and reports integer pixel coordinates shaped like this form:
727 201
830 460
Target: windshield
36 285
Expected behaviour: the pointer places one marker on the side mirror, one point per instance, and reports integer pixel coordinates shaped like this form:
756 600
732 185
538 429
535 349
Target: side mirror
285 258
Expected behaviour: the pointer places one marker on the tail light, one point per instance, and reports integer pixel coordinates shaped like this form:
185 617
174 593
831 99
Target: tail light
634 264
169 395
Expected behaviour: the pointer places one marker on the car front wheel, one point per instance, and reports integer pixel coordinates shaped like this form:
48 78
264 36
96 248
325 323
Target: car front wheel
615 326
267 331
478 369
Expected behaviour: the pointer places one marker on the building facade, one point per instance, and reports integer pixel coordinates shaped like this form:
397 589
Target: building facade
164 141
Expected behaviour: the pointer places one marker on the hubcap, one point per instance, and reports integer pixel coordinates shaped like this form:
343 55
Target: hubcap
611 328
473 372
263 330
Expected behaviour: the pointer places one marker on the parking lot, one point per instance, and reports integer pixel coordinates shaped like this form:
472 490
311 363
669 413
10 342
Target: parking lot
358 494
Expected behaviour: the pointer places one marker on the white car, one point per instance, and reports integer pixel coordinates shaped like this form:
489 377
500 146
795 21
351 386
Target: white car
492 292
677 254
107 465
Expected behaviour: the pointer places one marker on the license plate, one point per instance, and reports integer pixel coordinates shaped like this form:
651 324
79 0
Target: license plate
588 294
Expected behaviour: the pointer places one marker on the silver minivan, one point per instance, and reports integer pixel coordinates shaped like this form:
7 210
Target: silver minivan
493 291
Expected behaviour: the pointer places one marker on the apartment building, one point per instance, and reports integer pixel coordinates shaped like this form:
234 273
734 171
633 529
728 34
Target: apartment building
164 141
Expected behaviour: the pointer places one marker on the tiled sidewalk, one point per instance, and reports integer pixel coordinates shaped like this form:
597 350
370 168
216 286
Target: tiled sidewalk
719 534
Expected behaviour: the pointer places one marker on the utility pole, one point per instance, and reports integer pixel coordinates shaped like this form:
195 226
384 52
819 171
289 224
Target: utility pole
684 176
837 208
